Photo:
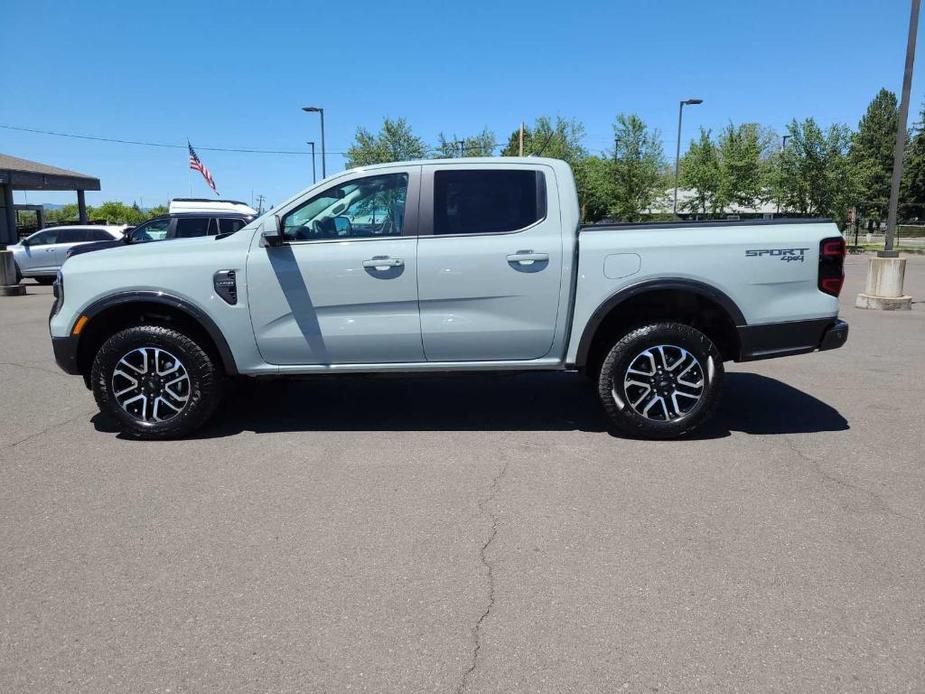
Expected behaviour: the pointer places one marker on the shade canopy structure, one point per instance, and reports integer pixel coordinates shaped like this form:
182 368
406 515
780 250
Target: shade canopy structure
23 174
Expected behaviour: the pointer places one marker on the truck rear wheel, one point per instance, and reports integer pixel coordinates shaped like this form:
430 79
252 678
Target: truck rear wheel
156 382
661 381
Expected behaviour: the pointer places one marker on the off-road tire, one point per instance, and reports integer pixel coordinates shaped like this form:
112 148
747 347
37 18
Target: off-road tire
204 388
617 404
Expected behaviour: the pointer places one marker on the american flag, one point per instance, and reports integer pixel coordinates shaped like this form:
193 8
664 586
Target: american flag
194 163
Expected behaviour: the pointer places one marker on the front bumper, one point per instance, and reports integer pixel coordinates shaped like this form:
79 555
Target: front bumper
65 349
796 337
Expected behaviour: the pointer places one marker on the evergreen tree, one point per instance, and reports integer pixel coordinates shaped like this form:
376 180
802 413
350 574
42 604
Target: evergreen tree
871 153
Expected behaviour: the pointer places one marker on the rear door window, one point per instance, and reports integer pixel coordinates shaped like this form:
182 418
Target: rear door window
488 201
72 235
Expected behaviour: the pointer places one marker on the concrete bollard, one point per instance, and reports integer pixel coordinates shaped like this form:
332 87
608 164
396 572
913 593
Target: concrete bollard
884 290
9 286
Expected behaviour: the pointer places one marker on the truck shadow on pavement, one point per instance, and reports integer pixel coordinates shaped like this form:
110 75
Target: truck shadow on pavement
752 404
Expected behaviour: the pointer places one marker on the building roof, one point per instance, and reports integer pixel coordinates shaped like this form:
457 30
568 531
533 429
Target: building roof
23 174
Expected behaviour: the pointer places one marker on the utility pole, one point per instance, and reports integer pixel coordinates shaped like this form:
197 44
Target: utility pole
521 149
677 152
260 200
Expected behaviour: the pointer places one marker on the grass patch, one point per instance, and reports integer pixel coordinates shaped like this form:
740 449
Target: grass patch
865 247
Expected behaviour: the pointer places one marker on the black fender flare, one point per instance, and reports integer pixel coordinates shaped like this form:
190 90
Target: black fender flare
686 285
173 302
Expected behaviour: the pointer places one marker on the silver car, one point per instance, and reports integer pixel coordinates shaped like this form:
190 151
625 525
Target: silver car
41 255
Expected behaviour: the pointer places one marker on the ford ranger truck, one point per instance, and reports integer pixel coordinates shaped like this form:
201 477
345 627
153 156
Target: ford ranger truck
447 265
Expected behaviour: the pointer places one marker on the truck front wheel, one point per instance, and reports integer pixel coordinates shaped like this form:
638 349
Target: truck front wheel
661 381
156 382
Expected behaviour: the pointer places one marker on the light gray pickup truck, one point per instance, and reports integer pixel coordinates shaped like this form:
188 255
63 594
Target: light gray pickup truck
447 265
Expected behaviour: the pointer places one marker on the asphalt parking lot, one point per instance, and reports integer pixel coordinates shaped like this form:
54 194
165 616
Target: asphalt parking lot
471 533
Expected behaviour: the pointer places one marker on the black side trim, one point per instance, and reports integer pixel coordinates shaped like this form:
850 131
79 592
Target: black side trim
173 302
65 349
692 286
796 337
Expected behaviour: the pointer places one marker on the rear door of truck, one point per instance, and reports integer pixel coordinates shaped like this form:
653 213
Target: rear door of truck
490 261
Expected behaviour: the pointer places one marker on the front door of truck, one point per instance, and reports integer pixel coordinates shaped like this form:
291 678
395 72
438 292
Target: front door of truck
342 287
489 262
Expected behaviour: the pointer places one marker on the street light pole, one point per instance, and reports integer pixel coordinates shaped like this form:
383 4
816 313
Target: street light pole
900 148
314 180
319 111
677 151
887 271
783 146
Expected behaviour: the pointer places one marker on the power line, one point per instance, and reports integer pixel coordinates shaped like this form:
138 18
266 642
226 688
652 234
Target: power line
156 144
245 150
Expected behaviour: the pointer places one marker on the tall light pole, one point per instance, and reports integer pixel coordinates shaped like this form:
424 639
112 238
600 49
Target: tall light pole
314 180
320 111
900 148
677 151
783 146
886 272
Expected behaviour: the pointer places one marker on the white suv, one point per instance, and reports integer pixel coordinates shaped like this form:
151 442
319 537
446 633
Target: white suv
41 255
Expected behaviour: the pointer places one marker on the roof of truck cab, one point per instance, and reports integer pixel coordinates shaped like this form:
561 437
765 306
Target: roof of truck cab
462 160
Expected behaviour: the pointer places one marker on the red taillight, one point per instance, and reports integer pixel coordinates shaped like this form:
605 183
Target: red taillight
832 265
831 285
833 247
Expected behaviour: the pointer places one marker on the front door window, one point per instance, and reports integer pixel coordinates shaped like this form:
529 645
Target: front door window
362 208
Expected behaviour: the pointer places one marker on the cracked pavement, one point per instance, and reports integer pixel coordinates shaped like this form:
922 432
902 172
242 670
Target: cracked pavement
471 533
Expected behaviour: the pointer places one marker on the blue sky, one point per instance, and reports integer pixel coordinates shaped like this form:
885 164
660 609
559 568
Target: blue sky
236 75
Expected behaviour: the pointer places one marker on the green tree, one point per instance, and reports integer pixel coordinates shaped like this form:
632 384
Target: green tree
871 152
113 212
559 139
912 188
815 175
394 142
638 167
594 178
743 154
67 213
481 145
700 173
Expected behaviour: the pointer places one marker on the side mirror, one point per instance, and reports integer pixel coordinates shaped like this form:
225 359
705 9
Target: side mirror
271 231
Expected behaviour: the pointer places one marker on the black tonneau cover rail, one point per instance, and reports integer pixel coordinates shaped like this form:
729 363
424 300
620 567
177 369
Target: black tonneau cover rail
707 222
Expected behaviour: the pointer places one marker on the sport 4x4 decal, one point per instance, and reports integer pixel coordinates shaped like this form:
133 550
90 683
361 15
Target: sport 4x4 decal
788 255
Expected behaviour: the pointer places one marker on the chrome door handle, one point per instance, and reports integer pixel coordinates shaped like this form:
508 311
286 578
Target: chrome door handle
383 262
527 257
